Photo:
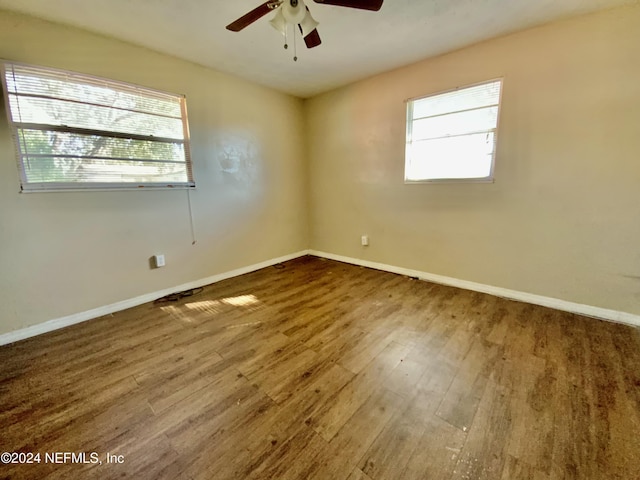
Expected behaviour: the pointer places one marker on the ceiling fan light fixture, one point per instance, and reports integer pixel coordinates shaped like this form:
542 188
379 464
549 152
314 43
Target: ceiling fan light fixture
279 23
308 24
295 12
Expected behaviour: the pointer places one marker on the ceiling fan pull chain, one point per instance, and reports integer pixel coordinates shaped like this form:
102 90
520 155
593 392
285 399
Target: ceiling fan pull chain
295 49
286 43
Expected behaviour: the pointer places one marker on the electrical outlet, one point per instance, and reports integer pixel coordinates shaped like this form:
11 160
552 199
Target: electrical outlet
364 240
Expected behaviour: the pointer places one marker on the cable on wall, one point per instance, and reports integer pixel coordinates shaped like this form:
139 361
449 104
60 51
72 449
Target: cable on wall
174 297
191 223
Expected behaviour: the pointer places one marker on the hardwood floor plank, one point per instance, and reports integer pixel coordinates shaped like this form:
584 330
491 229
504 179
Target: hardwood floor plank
358 474
500 323
397 442
436 453
280 380
173 390
304 407
346 448
405 376
291 459
461 401
516 469
365 350
333 415
535 421
483 454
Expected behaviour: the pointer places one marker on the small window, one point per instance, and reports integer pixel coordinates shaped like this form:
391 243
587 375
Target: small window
75 131
452 136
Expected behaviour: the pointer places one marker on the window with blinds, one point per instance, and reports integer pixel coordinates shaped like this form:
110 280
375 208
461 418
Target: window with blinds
75 131
452 136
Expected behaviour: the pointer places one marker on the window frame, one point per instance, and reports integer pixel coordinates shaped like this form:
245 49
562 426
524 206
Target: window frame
35 187
409 135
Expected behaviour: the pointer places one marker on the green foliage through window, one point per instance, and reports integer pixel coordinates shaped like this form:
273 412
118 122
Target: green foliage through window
76 131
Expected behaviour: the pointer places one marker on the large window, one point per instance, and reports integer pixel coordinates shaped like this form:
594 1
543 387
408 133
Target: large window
452 136
74 131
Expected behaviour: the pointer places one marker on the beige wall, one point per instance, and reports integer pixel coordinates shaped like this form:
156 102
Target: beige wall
563 216
65 253
562 219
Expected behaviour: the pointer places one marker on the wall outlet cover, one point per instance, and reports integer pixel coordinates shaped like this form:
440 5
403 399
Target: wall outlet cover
159 260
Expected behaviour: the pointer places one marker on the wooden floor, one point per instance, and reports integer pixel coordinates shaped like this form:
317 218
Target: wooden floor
315 369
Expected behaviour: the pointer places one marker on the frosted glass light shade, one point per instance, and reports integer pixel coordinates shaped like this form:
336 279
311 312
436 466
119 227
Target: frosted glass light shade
279 23
308 24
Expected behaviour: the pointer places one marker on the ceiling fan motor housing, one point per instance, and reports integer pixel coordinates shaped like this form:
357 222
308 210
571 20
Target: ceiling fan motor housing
294 11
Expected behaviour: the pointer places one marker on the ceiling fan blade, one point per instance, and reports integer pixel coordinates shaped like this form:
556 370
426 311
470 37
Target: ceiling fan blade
312 39
250 17
361 4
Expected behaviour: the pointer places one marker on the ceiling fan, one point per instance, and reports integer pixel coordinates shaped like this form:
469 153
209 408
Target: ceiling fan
295 12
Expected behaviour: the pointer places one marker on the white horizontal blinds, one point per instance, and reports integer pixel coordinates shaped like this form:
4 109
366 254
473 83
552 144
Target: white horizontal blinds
76 131
452 135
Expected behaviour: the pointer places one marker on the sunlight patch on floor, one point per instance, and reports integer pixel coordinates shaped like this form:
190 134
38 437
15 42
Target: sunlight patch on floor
241 300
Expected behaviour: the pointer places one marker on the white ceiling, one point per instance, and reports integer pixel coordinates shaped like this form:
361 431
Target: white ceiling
356 43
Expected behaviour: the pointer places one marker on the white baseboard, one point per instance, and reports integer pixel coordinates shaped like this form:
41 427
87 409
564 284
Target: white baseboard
579 308
587 310
62 322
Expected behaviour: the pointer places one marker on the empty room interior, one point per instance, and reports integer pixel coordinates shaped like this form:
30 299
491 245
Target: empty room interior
330 239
